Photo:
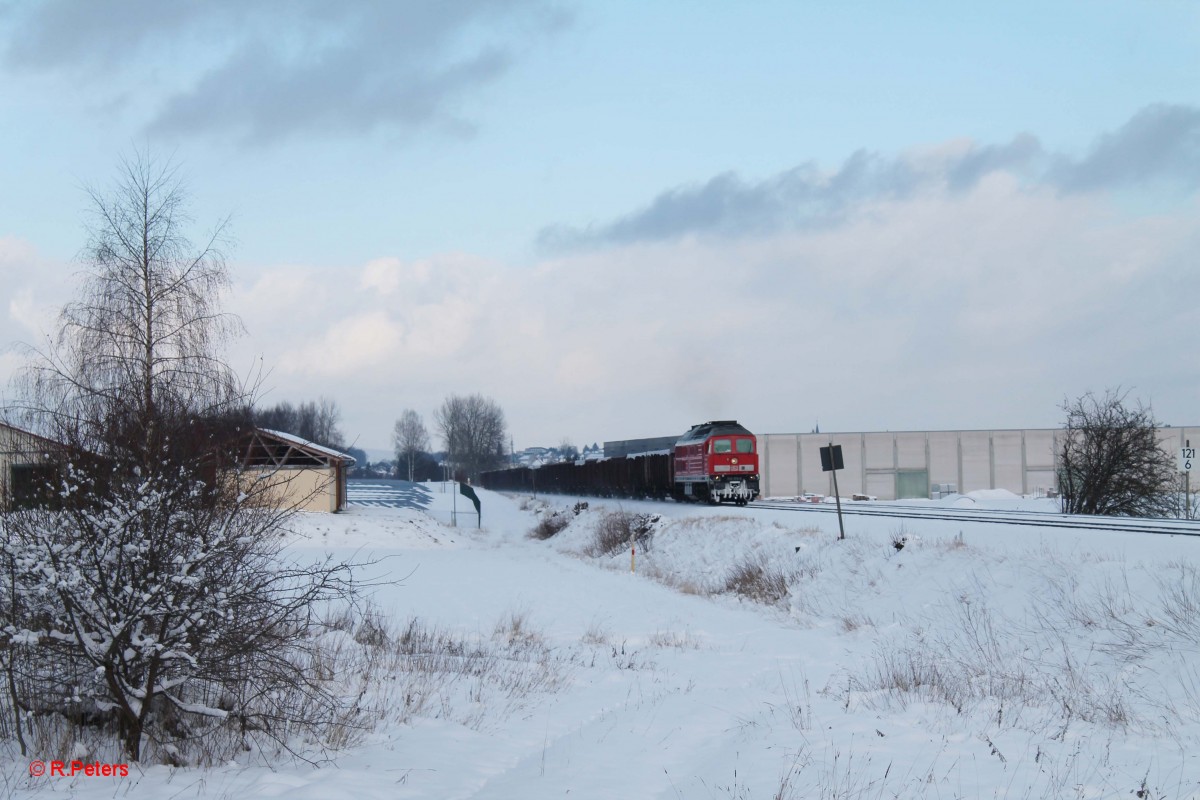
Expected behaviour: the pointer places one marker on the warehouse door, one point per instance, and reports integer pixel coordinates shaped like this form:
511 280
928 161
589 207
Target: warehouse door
912 483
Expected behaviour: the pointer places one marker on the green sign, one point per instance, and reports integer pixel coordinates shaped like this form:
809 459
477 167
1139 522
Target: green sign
467 491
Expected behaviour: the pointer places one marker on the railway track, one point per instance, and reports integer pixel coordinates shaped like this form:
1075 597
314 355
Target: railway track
1041 519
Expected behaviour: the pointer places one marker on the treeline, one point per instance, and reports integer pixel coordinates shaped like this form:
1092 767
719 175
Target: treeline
470 428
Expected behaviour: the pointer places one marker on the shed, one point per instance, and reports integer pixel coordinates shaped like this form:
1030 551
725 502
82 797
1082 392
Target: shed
26 465
305 475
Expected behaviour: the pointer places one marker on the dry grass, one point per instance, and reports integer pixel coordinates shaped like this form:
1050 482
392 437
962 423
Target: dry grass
596 634
849 623
619 530
681 584
550 525
757 579
680 641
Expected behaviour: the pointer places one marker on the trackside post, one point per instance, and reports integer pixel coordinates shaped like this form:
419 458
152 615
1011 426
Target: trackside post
831 461
1187 457
466 491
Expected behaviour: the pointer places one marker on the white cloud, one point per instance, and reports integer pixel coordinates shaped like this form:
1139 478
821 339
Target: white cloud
23 311
382 274
35 289
950 307
347 347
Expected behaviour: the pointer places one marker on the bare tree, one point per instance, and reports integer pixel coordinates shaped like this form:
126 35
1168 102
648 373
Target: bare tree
315 421
1111 461
152 599
410 439
473 430
327 421
146 334
280 417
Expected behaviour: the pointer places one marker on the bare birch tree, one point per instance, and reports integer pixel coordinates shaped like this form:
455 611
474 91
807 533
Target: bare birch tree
410 439
147 332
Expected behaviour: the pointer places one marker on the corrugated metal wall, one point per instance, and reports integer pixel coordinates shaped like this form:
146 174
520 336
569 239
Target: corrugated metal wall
880 464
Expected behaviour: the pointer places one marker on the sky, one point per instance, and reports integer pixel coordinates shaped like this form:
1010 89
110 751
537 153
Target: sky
619 219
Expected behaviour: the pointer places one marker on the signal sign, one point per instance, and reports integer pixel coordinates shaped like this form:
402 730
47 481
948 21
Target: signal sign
831 458
831 461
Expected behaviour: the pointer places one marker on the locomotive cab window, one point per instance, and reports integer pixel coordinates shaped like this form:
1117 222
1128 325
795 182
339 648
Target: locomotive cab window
745 445
722 446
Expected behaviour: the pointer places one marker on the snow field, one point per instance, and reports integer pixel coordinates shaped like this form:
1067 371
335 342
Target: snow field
981 662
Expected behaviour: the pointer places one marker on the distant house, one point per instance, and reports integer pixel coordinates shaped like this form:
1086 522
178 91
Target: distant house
303 474
25 466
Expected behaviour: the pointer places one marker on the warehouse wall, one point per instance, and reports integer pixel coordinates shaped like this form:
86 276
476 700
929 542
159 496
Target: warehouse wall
889 465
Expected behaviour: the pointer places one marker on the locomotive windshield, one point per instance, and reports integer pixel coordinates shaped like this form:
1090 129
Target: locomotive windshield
722 446
745 445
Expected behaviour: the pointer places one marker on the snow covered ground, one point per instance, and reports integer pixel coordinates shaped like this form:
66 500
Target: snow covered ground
748 655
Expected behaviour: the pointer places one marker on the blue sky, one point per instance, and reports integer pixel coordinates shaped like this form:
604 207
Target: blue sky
618 219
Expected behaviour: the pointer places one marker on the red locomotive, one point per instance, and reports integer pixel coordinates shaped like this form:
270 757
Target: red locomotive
716 461
713 462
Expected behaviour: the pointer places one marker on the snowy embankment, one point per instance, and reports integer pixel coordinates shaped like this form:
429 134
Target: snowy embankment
750 655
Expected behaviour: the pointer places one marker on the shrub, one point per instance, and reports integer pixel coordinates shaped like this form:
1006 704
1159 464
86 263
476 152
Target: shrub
620 529
1111 462
757 579
549 525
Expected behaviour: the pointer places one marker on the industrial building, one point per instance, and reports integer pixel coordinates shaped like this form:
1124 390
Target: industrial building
913 464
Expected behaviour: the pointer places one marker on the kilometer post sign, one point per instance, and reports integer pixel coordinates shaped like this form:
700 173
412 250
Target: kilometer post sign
1187 457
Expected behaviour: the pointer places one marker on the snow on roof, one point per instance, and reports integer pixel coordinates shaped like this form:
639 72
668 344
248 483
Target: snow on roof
299 442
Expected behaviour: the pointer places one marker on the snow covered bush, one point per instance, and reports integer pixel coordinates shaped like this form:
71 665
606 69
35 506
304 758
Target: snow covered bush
158 607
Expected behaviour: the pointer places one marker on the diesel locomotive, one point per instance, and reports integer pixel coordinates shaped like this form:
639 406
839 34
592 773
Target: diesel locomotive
714 462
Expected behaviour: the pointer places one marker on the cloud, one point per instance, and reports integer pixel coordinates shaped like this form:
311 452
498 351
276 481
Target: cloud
980 307
34 291
398 316
387 275
266 71
937 307
35 287
728 205
347 346
1160 143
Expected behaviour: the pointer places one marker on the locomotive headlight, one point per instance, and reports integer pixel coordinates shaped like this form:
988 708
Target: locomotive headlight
734 460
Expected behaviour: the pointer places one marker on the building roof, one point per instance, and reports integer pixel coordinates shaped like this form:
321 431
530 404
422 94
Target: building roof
14 430
279 449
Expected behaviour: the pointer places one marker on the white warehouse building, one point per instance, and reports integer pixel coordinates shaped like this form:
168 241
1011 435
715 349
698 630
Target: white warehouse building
912 464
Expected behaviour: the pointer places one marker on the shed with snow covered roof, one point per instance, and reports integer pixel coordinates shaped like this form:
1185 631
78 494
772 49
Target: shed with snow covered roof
25 466
303 474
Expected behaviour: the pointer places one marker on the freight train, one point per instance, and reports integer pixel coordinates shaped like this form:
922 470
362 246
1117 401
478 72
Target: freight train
713 462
